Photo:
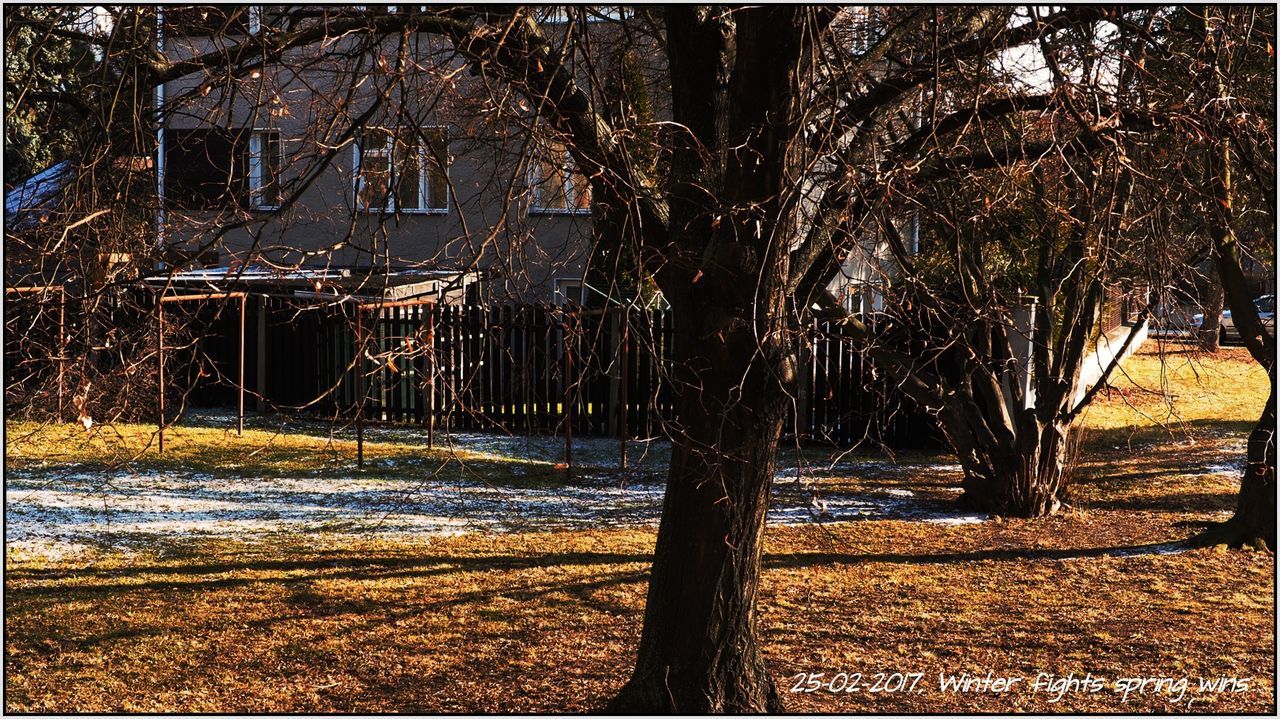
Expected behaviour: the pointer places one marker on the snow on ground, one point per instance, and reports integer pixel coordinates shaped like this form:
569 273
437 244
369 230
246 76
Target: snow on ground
1146 550
56 512
1235 468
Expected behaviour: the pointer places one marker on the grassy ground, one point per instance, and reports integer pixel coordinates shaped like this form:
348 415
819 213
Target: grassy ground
262 450
548 621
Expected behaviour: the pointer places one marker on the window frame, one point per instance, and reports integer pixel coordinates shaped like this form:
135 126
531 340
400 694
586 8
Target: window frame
537 183
560 298
257 153
421 156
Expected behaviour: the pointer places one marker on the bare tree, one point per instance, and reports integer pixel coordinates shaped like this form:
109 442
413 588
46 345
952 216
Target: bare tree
1239 132
787 139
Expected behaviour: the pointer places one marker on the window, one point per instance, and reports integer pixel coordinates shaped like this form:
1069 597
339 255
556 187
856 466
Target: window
568 291
558 187
219 168
403 171
264 169
205 168
864 27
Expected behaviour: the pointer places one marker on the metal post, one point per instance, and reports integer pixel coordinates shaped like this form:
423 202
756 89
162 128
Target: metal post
430 399
62 346
359 387
160 373
568 399
260 404
240 392
623 357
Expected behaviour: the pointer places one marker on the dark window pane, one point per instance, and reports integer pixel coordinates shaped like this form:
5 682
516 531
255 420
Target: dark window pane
375 178
550 181
374 168
409 171
437 154
374 139
206 168
581 190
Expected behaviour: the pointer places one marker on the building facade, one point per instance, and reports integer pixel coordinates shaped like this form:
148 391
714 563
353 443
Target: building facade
363 152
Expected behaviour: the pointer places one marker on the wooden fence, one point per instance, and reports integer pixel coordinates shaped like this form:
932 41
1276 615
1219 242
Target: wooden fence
510 368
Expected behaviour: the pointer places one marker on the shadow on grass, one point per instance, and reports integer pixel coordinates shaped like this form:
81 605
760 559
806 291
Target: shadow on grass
353 568
358 613
332 567
1174 430
1181 502
809 559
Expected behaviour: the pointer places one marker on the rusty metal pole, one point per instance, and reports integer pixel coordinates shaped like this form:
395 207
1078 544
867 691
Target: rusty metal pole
623 357
568 398
359 387
244 299
160 373
62 346
430 399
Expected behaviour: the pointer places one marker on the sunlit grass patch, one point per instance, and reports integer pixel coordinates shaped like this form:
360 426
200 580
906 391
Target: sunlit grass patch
1173 390
260 451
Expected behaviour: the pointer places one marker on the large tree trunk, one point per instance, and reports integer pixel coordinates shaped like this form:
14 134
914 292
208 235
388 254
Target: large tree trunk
1255 517
698 652
1254 523
1027 477
734 93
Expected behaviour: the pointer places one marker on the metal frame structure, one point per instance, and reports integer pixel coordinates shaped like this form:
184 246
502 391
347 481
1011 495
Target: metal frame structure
160 302
361 348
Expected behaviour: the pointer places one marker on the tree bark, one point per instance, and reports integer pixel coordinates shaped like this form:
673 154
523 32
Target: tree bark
1254 522
1029 479
698 651
1211 328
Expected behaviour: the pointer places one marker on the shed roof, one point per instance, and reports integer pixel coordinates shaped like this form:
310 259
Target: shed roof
29 201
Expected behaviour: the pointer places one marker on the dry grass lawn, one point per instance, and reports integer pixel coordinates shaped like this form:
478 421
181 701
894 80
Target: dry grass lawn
548 622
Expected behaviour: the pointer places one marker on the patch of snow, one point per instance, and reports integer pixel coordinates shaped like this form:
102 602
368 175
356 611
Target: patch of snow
957 519
70 507
121 508
1232 469
1141 551
1166 548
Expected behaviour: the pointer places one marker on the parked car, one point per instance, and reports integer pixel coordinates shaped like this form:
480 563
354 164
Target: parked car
1266 305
